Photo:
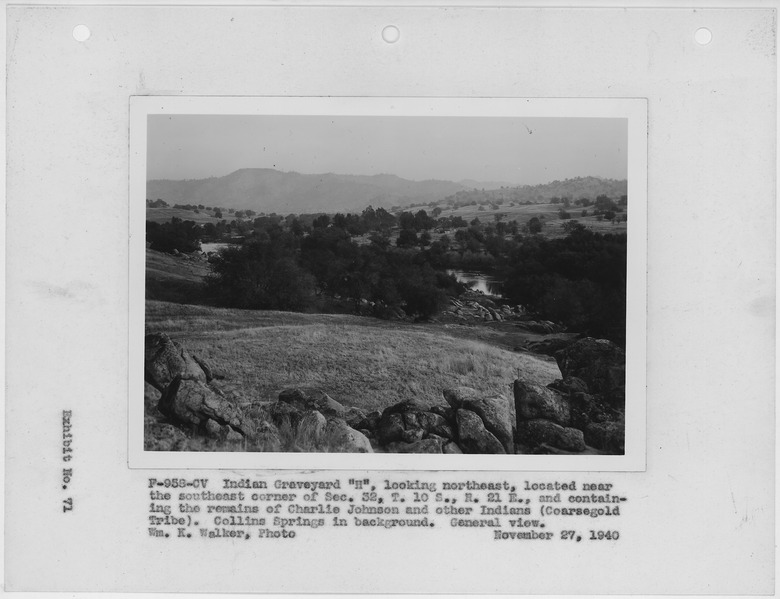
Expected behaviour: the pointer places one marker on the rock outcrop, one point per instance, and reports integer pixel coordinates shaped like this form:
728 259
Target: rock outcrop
165 359
473 436
472 423
339 437
493 411
308 398
191 402
600 363
472 306
534 401
586 408
582 412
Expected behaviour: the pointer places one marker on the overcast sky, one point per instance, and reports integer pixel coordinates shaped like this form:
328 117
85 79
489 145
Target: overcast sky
515 150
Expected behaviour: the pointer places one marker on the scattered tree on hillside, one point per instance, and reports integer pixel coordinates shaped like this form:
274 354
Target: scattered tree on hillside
603 203
407 238
572 225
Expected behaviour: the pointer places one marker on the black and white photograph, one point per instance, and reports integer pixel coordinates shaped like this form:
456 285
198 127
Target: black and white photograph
402 284
353 298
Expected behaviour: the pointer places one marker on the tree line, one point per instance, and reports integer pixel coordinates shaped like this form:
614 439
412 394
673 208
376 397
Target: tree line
379 262
285 271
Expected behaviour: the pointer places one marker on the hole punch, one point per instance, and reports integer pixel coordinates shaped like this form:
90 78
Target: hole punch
391 34
703 36
81 33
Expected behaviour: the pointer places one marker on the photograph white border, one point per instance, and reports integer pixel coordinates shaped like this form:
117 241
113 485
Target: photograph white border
632 109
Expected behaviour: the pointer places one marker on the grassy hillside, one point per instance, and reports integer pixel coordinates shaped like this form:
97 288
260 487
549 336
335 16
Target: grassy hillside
172 278
358 361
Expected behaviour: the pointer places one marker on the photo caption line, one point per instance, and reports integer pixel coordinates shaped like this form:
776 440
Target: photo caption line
277 508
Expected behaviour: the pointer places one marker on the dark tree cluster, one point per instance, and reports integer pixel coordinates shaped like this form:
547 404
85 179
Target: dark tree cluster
579 280
285 271
178 234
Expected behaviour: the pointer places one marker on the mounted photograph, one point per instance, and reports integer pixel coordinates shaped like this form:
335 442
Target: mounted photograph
444 283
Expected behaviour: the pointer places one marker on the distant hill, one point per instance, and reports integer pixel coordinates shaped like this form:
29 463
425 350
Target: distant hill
473 184
574 189
580 187
269 190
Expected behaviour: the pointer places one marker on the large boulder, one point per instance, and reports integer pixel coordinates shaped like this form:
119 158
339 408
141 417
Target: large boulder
534 401
192 402
598 362
473 436
165 359
543 432
497 418
455 396
339 437
309 398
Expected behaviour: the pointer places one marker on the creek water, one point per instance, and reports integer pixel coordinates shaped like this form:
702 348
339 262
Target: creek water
478 281
212 247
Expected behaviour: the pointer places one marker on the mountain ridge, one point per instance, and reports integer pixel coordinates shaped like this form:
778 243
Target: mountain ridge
267 190
270 190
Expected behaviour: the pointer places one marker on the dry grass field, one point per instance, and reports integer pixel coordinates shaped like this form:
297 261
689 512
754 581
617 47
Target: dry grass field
172 278
362 362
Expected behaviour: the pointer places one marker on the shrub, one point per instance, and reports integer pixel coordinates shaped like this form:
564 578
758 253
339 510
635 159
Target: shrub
177 234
